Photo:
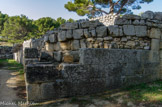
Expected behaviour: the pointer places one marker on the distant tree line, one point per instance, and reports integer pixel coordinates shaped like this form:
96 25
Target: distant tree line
16 29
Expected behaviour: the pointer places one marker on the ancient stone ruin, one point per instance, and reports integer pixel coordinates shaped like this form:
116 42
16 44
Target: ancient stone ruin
89 57
6 52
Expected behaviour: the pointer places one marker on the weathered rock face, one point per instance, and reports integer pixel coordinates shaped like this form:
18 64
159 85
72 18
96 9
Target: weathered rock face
6 52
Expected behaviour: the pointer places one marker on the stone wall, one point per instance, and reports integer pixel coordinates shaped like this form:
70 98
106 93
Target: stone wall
90 56
6 52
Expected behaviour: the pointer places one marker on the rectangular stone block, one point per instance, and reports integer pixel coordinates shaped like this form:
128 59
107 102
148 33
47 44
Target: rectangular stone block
129 30
141 31
52 38
61 36
155 44
40 73
75 45
78 34
155 33
49 47
115 30
57 56
65 45
31 53
69 26
101 31
71 56
33 92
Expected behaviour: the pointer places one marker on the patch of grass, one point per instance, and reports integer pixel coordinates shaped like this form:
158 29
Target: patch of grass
12 65
151 92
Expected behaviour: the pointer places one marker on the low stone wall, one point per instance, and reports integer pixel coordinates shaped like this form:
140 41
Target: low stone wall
88 57
6 52
98 71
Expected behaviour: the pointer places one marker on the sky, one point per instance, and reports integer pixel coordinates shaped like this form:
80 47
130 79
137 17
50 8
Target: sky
35 9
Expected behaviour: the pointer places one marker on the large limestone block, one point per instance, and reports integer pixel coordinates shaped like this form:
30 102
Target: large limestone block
64 45
46 38
130 16
129 30
87 33
155 44
83 43
56 46
62 36
155 33
78 34
115 30
101 31
158 16
33 92
49 47
31 53
57 56
93 33
69 26
90 24
40 73
154 56
148 15
69 34
141 31
75 45
52 38
46 56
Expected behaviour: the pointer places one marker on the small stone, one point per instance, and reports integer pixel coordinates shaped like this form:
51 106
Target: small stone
124 39
64 45
136 22
109 38
56 46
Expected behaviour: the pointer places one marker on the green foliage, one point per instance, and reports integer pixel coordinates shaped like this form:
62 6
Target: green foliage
3 18
93 8
16 29
12 65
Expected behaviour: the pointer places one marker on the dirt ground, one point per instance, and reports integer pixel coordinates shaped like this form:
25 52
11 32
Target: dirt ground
12 88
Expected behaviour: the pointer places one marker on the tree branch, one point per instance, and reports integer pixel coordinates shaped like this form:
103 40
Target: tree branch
125 1
117 2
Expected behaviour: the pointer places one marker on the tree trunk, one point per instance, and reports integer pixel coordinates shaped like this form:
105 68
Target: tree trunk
111 7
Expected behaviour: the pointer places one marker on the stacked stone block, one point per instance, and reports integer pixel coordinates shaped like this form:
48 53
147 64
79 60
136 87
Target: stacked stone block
6 52
126 51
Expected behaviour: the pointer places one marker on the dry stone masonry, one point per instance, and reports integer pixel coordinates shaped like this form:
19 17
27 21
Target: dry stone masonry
6 52
87 57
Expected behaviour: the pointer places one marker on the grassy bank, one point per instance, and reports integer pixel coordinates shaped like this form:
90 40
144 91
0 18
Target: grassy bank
11 65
